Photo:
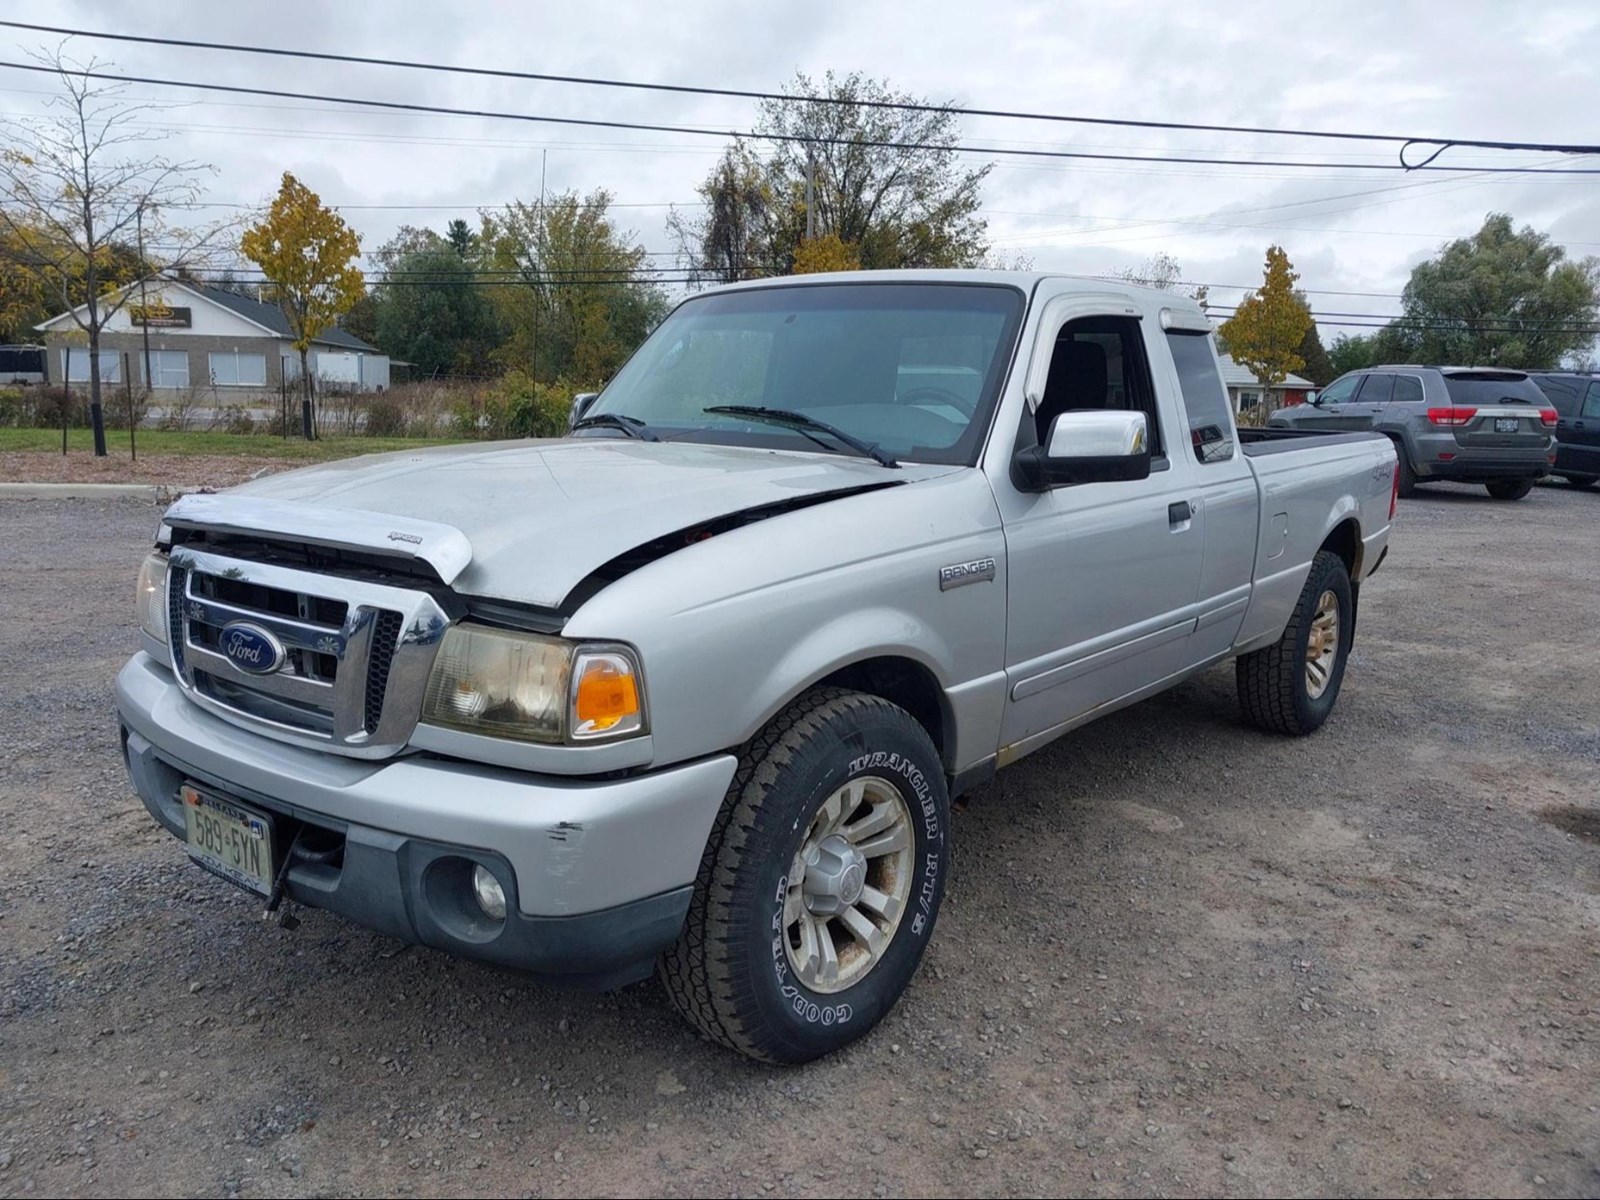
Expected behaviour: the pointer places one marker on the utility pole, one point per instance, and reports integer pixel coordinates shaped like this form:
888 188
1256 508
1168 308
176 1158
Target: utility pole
144 324
811 192
538 249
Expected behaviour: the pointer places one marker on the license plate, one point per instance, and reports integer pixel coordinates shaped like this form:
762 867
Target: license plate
1506 424
229 839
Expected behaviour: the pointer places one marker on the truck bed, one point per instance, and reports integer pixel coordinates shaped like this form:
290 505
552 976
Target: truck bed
1257 441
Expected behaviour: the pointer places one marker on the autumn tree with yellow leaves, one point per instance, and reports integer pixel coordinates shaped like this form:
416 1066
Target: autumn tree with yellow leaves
308 254
1266 330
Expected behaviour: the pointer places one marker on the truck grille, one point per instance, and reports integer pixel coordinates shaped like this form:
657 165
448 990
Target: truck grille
314 659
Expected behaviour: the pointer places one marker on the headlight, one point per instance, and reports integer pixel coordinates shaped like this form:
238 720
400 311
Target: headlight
532 688
151 599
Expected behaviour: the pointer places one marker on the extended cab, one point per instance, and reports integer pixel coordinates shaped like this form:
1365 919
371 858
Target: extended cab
691 688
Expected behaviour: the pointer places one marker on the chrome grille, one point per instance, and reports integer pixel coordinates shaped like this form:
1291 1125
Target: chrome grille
354 655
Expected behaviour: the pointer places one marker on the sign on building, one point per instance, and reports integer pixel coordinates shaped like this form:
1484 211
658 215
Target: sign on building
160 316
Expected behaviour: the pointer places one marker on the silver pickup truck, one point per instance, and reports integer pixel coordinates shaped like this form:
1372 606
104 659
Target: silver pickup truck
691 689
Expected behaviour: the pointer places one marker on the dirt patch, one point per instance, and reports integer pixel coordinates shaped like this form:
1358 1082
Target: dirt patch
1579 822
171 470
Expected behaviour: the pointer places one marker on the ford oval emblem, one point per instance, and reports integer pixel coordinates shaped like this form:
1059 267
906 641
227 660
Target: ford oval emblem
251 648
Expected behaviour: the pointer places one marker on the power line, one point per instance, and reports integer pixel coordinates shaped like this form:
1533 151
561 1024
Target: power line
1405 140
872 143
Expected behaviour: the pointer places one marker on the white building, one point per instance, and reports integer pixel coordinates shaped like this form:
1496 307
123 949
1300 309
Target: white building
205 337
1246 391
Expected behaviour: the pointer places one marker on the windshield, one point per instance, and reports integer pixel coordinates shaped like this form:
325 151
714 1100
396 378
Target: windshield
911 368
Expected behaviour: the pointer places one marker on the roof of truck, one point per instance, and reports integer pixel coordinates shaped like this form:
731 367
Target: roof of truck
1026 280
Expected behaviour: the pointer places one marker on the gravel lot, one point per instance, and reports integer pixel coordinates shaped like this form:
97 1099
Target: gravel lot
1176 957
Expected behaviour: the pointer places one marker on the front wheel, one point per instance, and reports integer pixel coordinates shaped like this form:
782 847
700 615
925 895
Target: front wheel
1290 686
1581 481
820 884
1509 489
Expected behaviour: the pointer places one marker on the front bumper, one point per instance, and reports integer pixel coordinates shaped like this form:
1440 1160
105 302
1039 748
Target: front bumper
597 874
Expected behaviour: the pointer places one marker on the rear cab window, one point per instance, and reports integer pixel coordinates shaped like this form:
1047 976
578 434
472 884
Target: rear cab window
1204 398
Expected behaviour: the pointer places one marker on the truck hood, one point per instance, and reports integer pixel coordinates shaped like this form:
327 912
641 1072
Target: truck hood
540 516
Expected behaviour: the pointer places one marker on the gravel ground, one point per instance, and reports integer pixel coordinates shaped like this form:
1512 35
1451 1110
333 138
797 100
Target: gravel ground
1176 957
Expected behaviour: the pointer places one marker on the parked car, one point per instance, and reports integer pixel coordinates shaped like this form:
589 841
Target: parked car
694 685
1576 397
1463 424
24 364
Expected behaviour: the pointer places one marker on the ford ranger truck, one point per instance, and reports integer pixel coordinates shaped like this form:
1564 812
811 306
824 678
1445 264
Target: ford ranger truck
689 690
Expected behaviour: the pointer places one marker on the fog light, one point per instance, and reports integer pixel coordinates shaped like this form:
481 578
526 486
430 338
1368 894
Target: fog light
491 896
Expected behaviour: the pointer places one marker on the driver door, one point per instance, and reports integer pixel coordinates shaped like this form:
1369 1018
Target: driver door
1102 577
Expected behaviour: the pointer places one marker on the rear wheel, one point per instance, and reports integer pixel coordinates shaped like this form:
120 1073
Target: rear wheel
820 884
1408 476
1290 686
1509 489
1581 481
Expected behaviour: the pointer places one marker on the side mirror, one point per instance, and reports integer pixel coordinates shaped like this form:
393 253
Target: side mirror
1314 398
1089 446
580 405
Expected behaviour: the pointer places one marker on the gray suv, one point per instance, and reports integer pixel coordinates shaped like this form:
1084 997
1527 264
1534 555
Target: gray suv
1463 424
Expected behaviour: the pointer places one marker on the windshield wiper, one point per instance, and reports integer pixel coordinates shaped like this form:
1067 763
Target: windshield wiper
799 420
631 426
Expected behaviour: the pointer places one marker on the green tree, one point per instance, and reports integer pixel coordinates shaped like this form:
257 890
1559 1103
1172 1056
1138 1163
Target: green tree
732 236
584 298
432 311
461 238
76 187
1314 356
1502 297
1265 331
885 180
309 254
1394 343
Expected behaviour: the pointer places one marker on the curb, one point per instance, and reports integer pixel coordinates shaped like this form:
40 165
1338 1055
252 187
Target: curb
91 491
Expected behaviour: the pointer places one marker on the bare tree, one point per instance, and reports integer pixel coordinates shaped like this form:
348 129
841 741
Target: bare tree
76 183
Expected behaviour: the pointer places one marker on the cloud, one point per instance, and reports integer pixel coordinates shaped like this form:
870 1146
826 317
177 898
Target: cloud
1471 70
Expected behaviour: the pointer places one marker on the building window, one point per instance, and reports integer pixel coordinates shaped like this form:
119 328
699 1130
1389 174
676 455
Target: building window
75 365
169 368
232 369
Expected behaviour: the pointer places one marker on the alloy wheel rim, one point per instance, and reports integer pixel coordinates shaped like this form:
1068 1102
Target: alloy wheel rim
848 885
1322 645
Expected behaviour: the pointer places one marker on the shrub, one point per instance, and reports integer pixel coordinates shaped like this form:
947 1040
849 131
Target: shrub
42 407
239 420
386 416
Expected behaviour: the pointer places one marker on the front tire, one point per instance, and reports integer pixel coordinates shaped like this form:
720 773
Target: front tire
1291 686
820 883
1509 489
1581 481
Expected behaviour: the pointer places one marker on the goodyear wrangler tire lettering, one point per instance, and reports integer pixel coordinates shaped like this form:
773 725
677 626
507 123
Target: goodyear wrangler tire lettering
837 802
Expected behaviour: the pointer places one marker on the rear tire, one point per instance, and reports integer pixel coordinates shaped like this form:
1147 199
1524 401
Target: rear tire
1581 481
1509 489
1290 686
1408 476
805 831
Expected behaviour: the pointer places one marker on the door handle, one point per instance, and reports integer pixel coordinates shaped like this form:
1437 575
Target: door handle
1178 513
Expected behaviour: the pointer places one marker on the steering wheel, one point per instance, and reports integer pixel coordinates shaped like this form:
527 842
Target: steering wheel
929 394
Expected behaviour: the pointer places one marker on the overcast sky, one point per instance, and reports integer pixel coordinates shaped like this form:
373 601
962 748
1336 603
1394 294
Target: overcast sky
1462 69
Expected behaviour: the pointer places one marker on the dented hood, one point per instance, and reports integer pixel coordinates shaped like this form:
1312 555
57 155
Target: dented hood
540 516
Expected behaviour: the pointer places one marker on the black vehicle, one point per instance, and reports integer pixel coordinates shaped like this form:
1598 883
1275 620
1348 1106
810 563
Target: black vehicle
23 364
1576 397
